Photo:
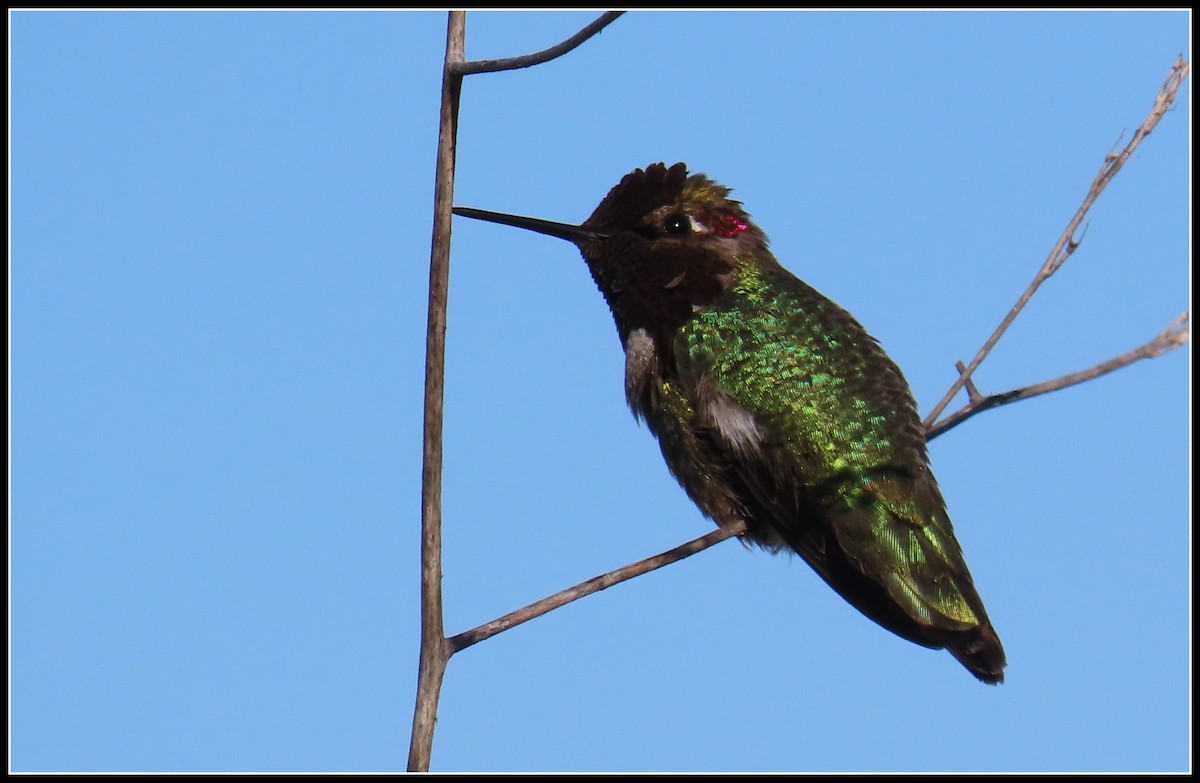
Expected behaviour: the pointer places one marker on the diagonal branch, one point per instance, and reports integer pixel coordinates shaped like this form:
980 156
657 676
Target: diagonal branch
536 58
593 585
1167 340
1067 243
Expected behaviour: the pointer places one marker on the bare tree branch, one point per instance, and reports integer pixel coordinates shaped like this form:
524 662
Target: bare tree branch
593 585
526 60
1067 243
435 651
973 393
1167 340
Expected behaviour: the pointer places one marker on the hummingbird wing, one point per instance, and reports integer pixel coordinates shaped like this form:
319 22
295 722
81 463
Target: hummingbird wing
813 428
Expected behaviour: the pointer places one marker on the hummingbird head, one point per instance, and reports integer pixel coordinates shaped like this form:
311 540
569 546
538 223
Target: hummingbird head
666 205
662 245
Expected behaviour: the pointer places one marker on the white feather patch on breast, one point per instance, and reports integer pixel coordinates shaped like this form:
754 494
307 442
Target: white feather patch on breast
736 425
641 359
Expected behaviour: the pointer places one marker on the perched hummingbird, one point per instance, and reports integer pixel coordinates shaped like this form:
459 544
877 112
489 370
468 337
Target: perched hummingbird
775 408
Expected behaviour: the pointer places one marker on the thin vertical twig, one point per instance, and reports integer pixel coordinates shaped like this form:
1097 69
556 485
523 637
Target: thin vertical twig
435 650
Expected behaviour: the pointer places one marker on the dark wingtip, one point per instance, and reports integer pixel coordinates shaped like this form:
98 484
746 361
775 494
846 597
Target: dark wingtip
981 653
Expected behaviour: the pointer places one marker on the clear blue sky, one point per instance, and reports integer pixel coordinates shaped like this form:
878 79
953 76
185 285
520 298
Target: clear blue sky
219 254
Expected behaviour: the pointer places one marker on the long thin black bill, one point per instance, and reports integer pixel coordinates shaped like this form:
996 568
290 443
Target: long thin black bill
561 230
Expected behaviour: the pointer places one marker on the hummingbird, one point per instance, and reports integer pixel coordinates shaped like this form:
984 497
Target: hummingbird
774 408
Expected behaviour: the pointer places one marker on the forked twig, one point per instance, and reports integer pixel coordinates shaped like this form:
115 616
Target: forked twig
1175 335
1067 243
536 58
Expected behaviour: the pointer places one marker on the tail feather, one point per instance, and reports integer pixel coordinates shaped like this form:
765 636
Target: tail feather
979 650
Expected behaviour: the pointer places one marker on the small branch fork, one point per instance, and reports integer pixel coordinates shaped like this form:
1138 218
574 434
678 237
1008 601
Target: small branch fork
1063 249
436 649
1175 335
537 58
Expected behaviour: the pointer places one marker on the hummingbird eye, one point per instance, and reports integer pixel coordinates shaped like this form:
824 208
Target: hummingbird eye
677 225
